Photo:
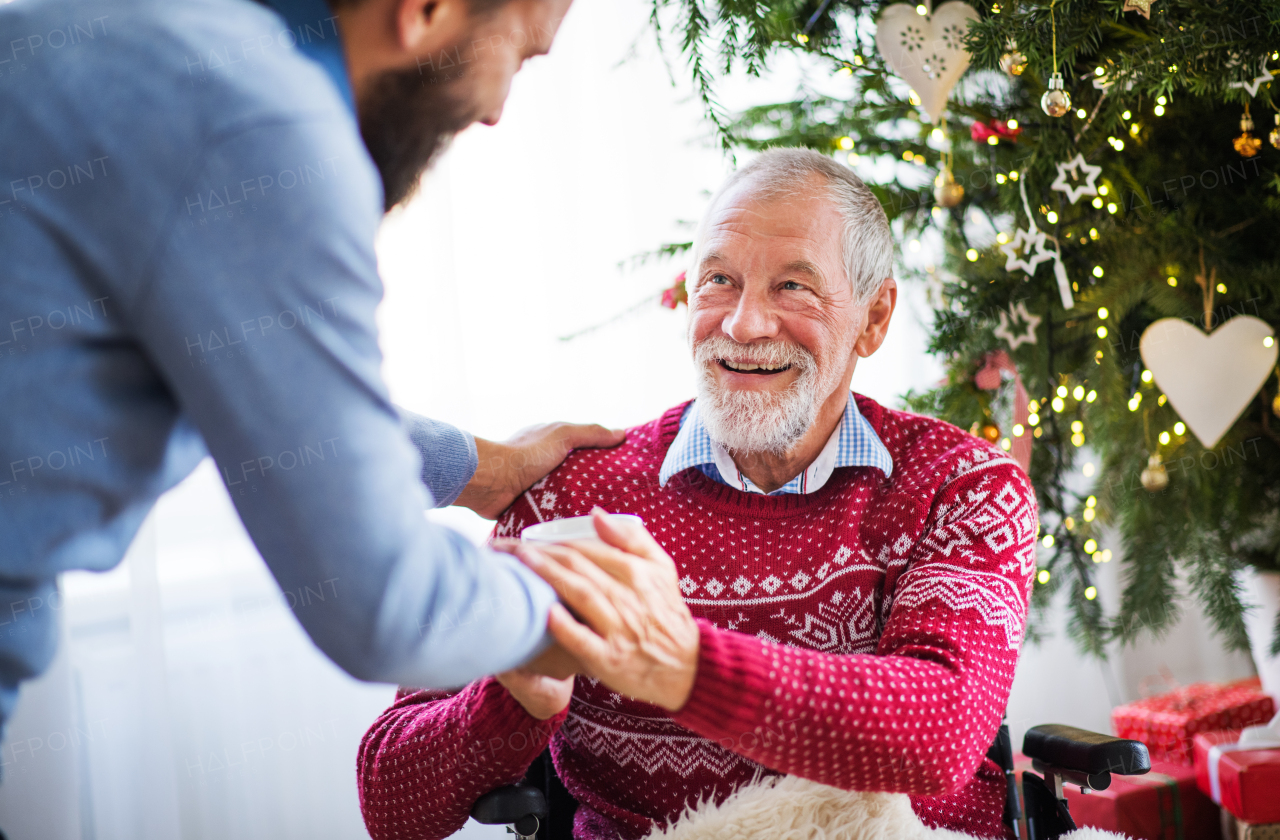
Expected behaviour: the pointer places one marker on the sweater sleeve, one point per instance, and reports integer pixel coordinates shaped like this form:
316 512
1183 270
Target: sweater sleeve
448 455
917 716
272 355
431 755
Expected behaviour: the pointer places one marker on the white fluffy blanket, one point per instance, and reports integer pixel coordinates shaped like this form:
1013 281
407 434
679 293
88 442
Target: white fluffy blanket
791 808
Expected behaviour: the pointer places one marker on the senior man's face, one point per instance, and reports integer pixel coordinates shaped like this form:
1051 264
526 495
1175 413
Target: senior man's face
773 318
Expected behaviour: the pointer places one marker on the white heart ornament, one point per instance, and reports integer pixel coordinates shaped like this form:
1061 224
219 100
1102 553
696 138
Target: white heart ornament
926 51
1209 379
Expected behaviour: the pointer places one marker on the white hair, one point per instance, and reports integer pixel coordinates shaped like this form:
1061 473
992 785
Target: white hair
866 240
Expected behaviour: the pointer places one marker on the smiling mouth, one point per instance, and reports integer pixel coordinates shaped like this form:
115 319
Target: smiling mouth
752 368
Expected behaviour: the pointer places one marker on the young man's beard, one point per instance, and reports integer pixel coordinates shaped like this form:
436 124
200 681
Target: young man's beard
408 121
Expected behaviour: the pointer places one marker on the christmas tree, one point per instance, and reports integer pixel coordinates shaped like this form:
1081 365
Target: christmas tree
1095 169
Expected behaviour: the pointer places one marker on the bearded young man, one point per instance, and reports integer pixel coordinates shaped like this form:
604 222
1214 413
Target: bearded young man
187 221
832 590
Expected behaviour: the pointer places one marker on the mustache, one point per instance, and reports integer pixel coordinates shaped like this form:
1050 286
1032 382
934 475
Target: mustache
710 350
746 421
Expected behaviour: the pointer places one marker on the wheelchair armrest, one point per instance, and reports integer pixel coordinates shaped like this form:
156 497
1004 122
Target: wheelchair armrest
1085 752
510 804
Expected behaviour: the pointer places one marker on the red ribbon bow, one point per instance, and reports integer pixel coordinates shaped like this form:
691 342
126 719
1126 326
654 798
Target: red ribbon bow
999 129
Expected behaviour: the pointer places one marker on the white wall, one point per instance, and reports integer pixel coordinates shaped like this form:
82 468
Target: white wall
187 703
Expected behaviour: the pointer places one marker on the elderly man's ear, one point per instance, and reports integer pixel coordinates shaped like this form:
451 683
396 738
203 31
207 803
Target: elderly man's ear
879 311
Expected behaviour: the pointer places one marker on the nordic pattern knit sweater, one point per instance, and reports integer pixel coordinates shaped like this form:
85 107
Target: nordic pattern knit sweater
863 636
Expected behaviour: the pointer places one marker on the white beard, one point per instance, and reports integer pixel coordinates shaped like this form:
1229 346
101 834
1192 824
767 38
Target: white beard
760 421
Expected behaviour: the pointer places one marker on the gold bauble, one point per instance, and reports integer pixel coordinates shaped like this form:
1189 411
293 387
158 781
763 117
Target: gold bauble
1013 63
1246 144
946 192
1056 102
1275 133
1155 477
991 432
1275 406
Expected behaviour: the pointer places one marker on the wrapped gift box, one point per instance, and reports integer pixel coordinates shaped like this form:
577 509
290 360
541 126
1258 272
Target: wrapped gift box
1236 830
1248 780
1164 804
1168 723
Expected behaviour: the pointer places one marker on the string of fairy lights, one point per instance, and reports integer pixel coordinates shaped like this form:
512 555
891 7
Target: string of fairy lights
1154 478
1067 399
1069 396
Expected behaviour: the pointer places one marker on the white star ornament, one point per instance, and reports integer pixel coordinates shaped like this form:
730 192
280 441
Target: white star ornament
1025 251
1073 186
1017 311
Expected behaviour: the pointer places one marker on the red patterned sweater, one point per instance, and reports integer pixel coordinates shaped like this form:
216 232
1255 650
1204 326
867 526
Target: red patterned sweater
863 636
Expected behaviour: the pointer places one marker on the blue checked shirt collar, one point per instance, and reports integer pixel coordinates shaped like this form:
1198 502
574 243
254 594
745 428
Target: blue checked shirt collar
853 444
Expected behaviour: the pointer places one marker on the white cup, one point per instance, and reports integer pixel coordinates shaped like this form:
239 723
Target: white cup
574 528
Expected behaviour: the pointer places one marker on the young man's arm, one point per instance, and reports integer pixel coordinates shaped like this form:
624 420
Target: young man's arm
486 475
448 455
261 320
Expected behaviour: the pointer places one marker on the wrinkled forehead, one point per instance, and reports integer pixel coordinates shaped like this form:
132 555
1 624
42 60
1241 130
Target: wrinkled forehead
761 223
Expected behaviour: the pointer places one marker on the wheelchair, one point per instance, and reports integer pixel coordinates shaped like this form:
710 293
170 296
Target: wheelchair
540 808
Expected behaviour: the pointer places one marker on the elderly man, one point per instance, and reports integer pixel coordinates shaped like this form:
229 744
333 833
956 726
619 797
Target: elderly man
832 589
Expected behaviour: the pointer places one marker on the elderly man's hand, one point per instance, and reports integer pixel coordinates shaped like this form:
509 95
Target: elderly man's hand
506 469
638 638
538 686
